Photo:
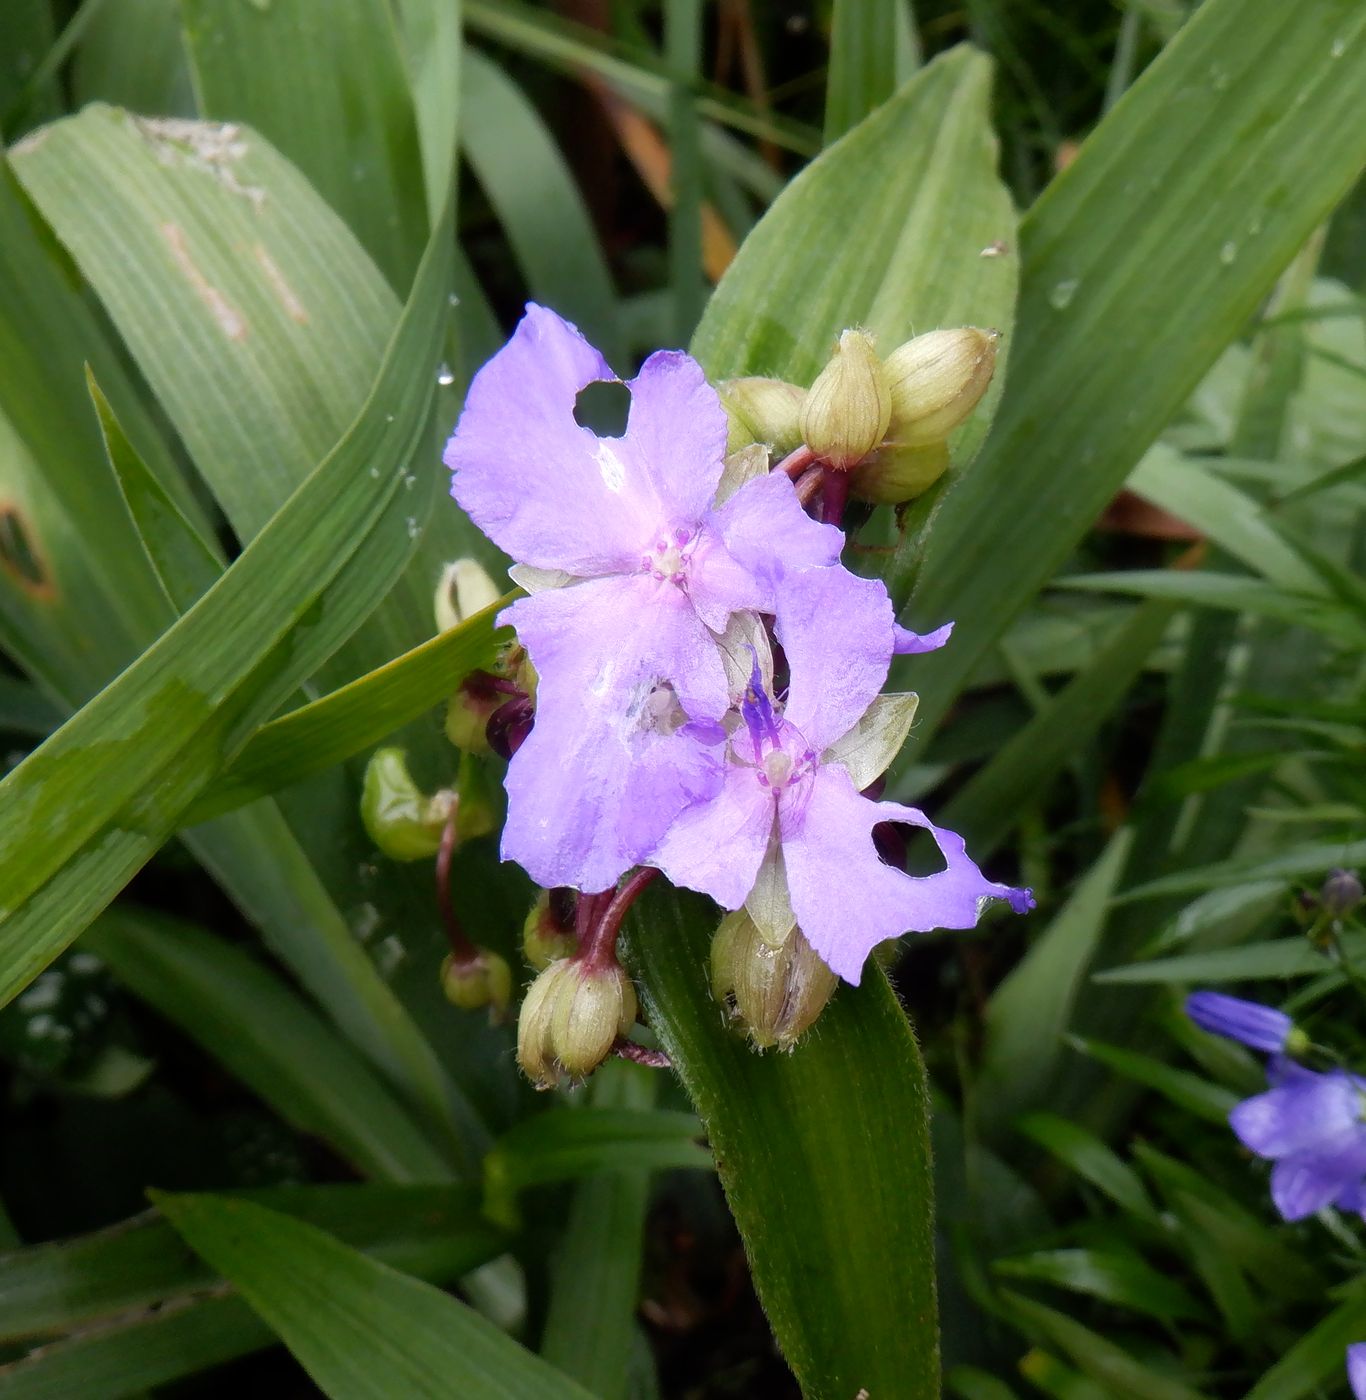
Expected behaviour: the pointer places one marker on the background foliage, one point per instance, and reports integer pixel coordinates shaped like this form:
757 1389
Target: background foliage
250 253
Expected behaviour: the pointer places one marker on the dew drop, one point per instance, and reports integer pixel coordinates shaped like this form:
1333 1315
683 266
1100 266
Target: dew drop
1060 298
452 300
1339 47
445 375
1228 254
409 481
374 473
1218 79
412 527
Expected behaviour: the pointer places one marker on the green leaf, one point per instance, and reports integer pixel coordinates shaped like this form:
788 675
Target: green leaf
1232 519
162 730
1121 1279
636 73
360 1329
1113 1367
985 809
186 564
143 1311
565 1143
1031 1009
344 117
1318 1357
590 1330
348 721
261 1031
821 1179
522 171
864 38
52 1288
1229 592
919 178
1185 1090
70 616
1086 1155
1316 859
1271 93
1274 958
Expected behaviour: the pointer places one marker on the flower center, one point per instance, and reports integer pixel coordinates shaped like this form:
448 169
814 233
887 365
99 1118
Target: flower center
668 561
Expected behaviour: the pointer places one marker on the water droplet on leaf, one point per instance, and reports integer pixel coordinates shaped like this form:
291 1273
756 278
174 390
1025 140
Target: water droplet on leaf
1060 298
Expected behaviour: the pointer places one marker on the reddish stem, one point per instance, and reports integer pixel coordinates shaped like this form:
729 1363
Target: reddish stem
795 463
598 948
834 497
810 484
462 950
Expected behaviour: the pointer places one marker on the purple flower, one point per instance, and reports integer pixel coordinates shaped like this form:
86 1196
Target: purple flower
1356 1369
785 821
1312 1127
658 585
1257 1026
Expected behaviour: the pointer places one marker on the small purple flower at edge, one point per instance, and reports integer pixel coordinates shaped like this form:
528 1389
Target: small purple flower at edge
1254 1025
1356 1369
1312 1127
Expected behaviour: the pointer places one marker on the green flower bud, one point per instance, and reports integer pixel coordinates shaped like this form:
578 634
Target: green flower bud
762 410
402 821
895 474
547 934
846 411
774 993
936 380
464 590
485 980
570 1019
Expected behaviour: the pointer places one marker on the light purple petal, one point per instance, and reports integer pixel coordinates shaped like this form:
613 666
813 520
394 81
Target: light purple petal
675 437
716 846
605 644
1305 1115
1301 1186
586 791
836 631
1356 1369
906 643
765 528
845 899
719 584
545 490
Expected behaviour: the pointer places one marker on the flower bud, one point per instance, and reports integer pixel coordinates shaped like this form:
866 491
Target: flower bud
846 411
936 380
775 993
1341 893
1248 1022
469 712
464 590
548 933
570 1019
894 474
402 821
485 980
762 410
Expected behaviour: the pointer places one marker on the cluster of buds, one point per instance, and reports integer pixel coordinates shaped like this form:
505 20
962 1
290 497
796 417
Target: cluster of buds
885 422
773 992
